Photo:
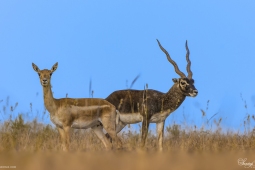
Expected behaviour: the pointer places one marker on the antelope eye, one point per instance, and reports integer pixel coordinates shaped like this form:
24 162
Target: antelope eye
39 74
183 83
50 74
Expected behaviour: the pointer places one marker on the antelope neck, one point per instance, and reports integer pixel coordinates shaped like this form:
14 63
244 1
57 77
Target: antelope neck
49 101
173 98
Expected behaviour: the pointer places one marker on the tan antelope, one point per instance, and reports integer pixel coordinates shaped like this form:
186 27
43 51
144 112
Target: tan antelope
80 113
151 106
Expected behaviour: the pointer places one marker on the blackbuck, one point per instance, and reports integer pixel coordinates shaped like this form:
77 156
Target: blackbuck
151 106
80 113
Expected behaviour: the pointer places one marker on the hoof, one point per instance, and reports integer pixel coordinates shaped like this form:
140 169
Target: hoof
108 137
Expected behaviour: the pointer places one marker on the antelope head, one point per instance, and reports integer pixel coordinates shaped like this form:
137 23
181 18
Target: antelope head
45 75
186 84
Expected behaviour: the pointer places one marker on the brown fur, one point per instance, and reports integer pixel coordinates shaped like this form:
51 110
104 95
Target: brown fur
152 105
80 113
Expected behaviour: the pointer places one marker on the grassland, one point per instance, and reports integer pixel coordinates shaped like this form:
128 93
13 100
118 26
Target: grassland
34 145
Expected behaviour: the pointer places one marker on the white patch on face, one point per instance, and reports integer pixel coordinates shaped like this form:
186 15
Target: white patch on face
183 83
44 83
193 94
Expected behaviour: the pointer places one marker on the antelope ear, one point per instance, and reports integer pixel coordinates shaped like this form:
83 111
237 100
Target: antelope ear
54 67
35 67
175 80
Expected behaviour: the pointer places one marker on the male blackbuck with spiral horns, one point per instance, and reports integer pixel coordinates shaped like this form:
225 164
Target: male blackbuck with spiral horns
80 113
151 106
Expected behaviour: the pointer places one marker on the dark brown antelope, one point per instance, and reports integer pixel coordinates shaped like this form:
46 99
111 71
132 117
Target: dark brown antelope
80 113
151 106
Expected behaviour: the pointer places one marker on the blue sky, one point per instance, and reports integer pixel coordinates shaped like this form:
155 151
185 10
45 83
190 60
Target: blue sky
111 42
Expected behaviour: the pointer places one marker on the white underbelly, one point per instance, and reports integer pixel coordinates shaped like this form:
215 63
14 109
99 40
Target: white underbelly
131 118
84 124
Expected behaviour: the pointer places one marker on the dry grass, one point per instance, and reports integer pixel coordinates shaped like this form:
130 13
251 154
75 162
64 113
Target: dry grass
33 145
17 135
